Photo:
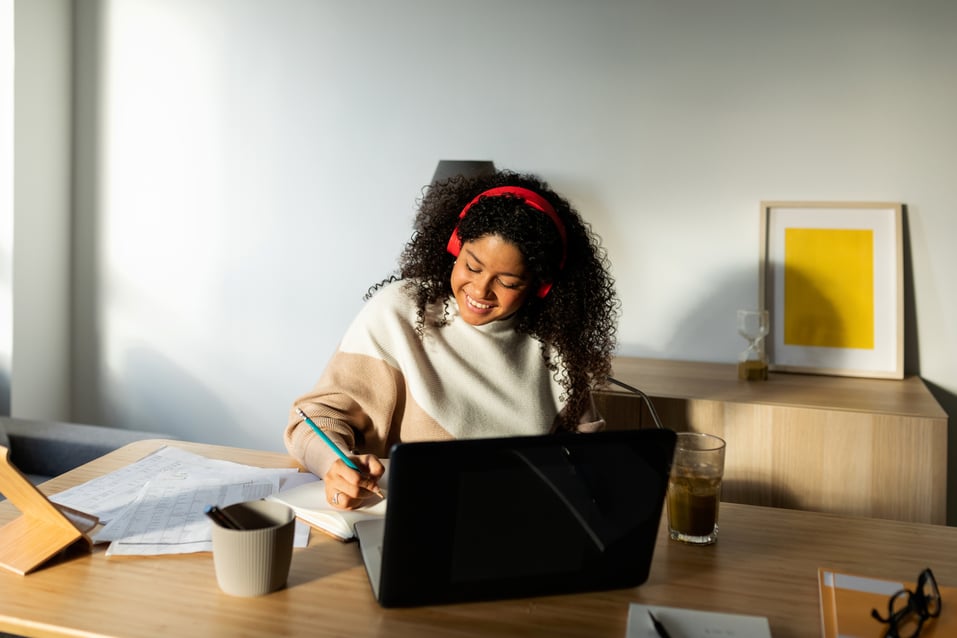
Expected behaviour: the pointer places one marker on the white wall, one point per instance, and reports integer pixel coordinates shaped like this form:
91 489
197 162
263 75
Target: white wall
6 201
246 169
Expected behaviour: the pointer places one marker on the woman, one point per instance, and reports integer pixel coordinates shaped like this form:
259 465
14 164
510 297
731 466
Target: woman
502 318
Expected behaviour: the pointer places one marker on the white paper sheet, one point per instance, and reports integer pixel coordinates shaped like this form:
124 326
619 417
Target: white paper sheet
168 516
107 495
683 623
156 505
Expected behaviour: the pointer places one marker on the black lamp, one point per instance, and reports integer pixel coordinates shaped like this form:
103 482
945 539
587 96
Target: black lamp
468 168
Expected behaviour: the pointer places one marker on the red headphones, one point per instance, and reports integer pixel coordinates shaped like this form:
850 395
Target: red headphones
531 198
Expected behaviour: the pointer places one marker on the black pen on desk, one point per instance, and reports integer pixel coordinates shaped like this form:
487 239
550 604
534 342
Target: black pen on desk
335 448
221 517
659 628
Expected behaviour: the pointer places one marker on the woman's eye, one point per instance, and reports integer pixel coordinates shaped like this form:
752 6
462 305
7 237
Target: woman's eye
471 269
508 285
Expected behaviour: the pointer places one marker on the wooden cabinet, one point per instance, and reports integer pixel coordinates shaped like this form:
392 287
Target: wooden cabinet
868 447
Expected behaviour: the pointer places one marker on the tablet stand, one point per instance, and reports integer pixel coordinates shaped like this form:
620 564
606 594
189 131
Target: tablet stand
43 528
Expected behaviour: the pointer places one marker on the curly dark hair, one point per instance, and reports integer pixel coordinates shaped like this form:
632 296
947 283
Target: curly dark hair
576 322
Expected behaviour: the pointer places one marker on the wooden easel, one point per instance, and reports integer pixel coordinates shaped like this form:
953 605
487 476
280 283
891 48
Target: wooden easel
43 529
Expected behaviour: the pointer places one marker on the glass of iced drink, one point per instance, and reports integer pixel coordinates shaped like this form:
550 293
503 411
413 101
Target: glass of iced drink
694 489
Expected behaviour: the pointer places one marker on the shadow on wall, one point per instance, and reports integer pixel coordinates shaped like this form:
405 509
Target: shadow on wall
948 401
754 491
87 403
711 326
159 396
708 331
4 394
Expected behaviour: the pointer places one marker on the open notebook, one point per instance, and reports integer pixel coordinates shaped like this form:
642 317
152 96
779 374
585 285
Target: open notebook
309 502
519 516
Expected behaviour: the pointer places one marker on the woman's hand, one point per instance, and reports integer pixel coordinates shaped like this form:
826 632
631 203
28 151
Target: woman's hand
347 489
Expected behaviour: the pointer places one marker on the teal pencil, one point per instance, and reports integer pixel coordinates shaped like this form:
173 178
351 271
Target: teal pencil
330 443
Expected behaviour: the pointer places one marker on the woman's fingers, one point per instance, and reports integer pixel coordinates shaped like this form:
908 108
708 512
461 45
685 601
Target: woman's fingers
348 489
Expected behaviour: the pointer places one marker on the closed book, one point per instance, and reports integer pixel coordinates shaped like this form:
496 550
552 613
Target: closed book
847 601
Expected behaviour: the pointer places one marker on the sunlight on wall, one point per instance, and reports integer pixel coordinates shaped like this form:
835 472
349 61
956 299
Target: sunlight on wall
160 209
163 215
201 216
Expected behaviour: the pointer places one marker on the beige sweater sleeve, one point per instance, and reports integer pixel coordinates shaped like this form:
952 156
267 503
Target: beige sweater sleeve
354 403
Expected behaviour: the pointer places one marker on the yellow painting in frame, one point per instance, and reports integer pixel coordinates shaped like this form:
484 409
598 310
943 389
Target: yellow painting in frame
831 279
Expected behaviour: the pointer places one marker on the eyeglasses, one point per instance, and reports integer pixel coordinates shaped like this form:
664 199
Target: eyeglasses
907 610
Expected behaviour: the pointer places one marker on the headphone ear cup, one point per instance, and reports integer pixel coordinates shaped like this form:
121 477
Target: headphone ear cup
455 243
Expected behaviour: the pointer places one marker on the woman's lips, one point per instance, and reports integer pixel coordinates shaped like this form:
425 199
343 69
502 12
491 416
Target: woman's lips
477 306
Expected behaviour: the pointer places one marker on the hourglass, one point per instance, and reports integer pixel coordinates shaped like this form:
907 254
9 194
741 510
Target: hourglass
753 363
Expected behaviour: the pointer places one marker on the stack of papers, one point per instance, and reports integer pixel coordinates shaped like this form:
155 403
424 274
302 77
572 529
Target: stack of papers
156 505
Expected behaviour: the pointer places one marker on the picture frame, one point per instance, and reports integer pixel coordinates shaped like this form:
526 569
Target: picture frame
831 278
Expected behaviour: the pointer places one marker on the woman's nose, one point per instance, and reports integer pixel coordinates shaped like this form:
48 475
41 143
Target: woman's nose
482 285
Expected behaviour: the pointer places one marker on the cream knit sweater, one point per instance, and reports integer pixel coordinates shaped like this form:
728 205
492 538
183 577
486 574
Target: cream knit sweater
386 385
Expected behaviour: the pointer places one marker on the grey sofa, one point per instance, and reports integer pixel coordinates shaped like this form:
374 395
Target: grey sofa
44 449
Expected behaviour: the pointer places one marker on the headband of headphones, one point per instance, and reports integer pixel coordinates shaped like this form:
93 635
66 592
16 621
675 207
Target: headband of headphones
531 198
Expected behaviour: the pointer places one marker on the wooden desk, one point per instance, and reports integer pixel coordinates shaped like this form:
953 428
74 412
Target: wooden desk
765 563
864 447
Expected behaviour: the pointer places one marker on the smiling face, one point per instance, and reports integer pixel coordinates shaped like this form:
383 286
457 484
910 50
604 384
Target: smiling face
489 280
